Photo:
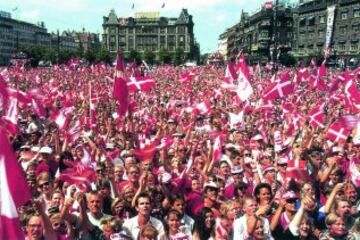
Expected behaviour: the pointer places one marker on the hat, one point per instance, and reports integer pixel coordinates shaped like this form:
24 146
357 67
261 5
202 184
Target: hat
109 145
236 170
165 177
229 146
210 185
35 149
46 149
25 147
290 195
268 168
257 137
178 134
283 160
171 121
336 149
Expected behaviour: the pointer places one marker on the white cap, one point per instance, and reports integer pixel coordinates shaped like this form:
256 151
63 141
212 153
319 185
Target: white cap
210 184
35 149
46 149
236 170
257 137
109 145
165 177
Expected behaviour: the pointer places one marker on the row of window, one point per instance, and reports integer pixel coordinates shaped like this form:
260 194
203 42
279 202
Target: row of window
322 19
151 30
338 47
321 33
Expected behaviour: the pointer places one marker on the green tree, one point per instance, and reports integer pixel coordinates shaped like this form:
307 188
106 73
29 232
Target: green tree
179 56
90 55
164 56
149 56
103 55
80 50
50 55
135 55
203 58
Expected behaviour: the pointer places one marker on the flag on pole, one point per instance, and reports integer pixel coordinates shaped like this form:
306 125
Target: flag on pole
163 5
120 91
133 6
244 89
14 191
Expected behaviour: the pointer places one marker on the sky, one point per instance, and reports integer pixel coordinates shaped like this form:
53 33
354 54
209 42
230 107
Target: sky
211 17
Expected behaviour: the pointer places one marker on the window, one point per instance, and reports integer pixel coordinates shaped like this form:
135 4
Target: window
354 47
356 27
289 34
311 21
112 30
321 33
181 30
122 30
342 47
321 19
171 30
162 30
302 22
344 15
343 29
356 13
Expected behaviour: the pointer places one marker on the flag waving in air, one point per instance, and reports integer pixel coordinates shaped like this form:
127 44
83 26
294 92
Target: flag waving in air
120 92
14 191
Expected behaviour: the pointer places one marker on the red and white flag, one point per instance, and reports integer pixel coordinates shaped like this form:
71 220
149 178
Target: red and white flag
316 117
338 132
11 117
230 73
279 89
140 84
14 191
316 77
60 119
244 89
297 169
217 148
120 90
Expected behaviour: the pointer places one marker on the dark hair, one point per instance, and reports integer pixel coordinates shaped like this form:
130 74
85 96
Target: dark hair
200 226
176 197
171 212
142 195
259 187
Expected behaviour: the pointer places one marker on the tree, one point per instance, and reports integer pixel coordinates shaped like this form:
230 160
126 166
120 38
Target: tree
49 55
203 58
135 55
164 56
90 55
179 56
149 56
103 55
80 50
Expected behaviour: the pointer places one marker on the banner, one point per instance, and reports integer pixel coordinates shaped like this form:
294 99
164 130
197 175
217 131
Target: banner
329 25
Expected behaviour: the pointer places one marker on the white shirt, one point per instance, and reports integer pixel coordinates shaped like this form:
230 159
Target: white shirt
131 226
240 228
97 222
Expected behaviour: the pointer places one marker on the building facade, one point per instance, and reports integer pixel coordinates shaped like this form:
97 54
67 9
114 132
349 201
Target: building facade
15 34
312 24
264 34
64 41
149 31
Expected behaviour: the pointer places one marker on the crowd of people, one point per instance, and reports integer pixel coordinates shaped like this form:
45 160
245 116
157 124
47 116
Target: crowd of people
189 159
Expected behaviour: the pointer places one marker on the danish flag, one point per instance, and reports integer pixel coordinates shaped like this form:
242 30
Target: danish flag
338 133
140 84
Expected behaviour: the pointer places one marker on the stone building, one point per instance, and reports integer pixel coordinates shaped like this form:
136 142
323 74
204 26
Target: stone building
312 26
15 34
149 31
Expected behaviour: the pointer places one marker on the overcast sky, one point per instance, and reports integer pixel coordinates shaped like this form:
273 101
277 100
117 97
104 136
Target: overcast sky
211 17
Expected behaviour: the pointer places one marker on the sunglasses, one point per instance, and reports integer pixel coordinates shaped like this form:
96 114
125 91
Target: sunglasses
99 171
45 184
291 200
